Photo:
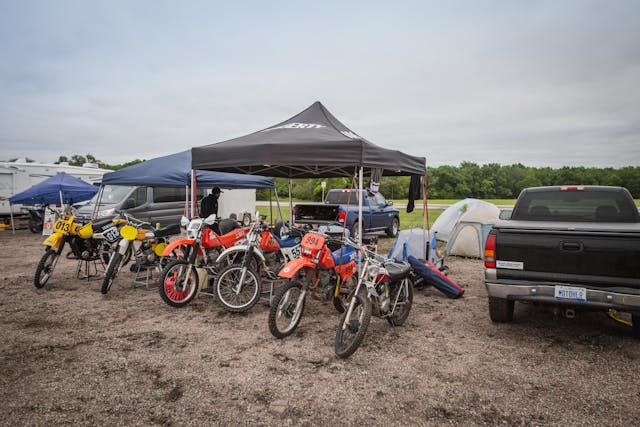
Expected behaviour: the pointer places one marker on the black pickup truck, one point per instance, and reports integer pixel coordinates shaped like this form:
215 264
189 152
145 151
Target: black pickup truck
577 246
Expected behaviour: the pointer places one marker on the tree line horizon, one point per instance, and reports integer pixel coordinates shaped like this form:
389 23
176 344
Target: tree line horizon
488 181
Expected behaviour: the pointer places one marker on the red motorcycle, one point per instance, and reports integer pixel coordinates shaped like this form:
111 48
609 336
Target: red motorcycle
324 273
199 252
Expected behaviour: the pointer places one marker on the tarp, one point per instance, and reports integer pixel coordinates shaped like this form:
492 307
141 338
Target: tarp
174 170
310 144
73 190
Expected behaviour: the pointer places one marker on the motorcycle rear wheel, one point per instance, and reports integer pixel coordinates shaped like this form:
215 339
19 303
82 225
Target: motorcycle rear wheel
177 289
283 316
228 280
350 336
112 272
405 300
45 268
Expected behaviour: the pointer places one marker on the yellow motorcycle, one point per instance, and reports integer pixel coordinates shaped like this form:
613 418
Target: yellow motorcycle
148 254
89 241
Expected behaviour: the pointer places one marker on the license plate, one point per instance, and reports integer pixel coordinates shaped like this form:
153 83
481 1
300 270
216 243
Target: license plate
571 293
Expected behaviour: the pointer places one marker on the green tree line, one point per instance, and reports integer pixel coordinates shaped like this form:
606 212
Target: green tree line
490 181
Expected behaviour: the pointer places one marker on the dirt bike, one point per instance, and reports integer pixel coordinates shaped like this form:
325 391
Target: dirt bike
325 274
89 241
238 286
36 219
147 255
384 288
180 279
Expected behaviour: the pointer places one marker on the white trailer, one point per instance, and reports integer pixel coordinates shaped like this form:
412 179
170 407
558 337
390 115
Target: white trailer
240 202
18 176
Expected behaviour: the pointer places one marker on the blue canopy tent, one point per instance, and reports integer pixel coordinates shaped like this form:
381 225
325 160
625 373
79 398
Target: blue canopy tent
61 188
175 170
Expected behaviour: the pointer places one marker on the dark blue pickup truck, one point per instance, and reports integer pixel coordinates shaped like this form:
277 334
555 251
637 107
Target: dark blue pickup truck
342 205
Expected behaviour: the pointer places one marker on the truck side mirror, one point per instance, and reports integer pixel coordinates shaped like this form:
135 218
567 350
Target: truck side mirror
128 204
389 202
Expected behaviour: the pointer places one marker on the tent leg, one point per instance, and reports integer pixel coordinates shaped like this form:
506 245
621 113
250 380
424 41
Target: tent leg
275 191
360 206
271 207
291 199
96 208
13 228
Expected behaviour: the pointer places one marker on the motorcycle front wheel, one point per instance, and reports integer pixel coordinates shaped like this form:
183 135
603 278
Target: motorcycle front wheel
178 283
286 309
349 335
234 296
403 294
112 272
45 268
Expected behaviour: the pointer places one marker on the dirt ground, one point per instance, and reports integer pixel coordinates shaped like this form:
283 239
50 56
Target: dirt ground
69 355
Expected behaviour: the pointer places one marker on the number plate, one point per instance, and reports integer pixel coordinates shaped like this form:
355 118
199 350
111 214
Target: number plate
571 293
111 234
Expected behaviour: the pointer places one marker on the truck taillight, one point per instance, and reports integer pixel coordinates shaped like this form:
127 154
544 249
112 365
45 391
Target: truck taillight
490 251
293 216
342 216
572 188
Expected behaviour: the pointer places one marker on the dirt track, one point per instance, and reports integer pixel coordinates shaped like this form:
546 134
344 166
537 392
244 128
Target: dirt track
69 355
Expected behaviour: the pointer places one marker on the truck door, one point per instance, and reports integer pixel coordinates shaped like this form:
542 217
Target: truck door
379 215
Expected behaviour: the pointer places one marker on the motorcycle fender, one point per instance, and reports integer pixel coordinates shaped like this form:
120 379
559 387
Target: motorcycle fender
236 249
181 242
292 267
54 240
123 245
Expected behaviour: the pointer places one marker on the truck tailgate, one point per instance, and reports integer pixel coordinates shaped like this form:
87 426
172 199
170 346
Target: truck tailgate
603 258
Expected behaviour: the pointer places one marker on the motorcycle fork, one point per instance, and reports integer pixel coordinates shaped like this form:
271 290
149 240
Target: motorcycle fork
243 271
352 302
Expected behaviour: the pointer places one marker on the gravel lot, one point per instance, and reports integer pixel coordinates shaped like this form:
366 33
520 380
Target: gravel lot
70 355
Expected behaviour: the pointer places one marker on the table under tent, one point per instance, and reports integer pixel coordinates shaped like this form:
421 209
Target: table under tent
312 144
175 170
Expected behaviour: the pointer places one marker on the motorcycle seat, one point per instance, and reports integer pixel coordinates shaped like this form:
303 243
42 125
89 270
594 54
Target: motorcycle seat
227 225
99 224
398 271
288 242
169 230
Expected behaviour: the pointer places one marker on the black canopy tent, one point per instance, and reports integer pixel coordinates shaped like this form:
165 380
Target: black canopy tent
310 144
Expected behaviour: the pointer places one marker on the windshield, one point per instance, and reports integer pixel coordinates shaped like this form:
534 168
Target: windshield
112 194
342 197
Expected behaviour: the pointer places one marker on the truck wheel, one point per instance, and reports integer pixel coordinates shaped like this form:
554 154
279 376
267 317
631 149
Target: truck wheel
392 231
501 310
635 327
354 231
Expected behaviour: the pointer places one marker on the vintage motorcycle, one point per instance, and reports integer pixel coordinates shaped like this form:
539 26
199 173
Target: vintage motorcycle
149 253
384 288
238 286
180 279
319 271
89 241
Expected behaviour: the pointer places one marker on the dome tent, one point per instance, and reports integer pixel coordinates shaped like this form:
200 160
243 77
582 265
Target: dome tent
465 225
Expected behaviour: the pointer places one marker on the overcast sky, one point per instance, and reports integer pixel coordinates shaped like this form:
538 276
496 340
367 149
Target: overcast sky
543 83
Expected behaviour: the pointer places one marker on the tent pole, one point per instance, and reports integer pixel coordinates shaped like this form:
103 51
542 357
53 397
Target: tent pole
61 200
425 214
185 211
96 208
13 228
360 206
275 190
193 194
291 200
271 207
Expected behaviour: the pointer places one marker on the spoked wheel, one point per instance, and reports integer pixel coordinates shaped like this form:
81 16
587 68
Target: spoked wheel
286 309
45 268
350 333
402 297
340 303
233 295
112 272
179 283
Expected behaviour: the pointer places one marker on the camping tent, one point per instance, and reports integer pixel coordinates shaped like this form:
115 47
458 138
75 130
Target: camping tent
465 225
174 170
60 188
310 144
